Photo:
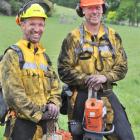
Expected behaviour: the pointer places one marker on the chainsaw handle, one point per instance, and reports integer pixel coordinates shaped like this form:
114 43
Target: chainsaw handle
92 93
100 133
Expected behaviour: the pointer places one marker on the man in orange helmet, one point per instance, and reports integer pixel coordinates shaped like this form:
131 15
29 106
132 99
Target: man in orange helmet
92 56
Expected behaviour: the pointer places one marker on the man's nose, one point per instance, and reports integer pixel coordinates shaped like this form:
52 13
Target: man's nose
36 28
94 10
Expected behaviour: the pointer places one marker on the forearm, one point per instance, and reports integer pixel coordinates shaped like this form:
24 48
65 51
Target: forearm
71 76
119 69
56 89
67 63
117 73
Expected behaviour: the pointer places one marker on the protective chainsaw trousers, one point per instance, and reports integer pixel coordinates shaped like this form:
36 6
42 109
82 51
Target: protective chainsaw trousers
23 129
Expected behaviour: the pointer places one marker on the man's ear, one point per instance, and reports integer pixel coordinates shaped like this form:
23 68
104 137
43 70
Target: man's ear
22 25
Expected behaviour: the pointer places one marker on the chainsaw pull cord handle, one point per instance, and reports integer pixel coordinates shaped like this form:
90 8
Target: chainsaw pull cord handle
92 93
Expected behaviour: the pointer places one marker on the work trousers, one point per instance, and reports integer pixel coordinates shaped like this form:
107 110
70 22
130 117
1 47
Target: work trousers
122 126
23 129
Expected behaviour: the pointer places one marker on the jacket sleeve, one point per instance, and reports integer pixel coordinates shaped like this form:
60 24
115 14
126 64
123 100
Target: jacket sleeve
14 91
66 63
119 68
56 89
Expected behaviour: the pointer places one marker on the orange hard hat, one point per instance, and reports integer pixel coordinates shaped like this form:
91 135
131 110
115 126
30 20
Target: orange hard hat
90 2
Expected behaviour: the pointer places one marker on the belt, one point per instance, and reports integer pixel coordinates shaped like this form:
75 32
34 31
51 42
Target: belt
105 93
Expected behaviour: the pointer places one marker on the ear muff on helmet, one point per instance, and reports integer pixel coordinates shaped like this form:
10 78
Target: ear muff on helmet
105 7
24 8
80 11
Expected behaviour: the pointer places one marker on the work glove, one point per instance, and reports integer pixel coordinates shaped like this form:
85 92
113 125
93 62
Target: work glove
45 116
95 81
51 112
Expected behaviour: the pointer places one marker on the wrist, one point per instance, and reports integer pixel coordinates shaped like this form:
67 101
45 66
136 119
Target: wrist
104 79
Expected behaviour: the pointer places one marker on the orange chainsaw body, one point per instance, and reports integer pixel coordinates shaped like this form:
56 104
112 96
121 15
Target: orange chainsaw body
65 134
93 115
60 135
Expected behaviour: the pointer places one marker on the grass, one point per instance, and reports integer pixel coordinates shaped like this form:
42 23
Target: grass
128 90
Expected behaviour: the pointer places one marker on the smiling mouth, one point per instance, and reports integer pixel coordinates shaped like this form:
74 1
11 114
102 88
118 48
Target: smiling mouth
36 36
94 18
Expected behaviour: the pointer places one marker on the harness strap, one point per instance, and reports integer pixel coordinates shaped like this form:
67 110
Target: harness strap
82 35
82 38
21 56
105 37
19 53
47 59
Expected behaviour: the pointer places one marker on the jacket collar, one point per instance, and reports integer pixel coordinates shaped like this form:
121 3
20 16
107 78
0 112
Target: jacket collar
101 31
30 46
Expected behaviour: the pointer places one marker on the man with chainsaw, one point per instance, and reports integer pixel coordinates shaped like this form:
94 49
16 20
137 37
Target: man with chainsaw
92 57
30 86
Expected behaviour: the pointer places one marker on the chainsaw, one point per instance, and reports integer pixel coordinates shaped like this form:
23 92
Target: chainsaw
93 120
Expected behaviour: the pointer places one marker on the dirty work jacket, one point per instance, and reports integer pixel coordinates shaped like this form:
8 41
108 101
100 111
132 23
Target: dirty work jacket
73 71
28 89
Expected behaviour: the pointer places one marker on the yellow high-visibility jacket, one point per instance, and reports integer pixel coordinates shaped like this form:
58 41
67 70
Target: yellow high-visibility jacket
27 90
111 62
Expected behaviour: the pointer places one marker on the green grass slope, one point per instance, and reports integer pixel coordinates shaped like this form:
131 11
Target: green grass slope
57 27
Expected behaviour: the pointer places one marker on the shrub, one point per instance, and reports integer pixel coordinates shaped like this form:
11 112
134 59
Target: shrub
111 17
15 5
5 8
11 7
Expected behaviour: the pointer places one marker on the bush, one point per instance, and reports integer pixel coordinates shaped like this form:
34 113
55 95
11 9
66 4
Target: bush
111 17
15 5
5 8
51 5
67 3
11 7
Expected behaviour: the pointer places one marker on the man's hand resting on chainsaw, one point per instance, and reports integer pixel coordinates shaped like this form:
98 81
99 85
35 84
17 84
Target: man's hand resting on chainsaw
51 112
95 81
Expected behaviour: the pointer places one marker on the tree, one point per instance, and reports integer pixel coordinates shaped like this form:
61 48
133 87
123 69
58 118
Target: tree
67 3
137 12
5 8
113 4
129 10
11 7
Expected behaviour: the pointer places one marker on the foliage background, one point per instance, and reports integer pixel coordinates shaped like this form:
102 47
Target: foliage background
124 11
